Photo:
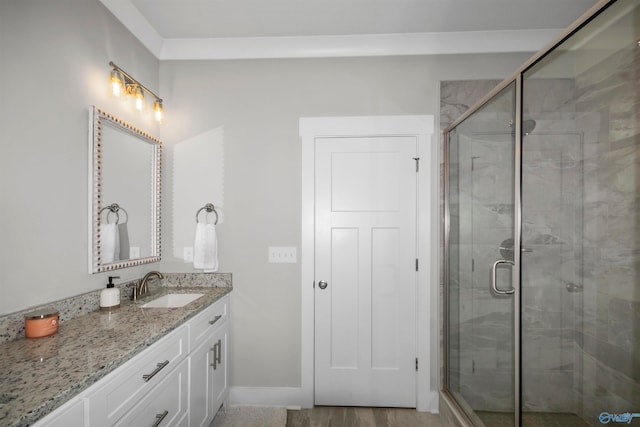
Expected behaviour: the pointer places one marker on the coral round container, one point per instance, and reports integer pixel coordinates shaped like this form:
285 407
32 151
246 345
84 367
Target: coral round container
41 323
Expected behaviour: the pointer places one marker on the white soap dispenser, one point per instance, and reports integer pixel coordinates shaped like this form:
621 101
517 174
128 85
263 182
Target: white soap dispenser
110 297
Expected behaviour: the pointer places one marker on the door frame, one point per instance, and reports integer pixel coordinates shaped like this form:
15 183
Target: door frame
427 339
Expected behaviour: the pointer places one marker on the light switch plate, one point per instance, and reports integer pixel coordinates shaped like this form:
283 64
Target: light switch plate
283 254
187 254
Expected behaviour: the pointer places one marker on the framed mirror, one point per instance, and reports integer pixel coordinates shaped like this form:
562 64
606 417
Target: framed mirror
125 173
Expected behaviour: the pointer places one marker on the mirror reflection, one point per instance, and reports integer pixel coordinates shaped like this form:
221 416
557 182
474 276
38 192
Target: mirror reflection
126 194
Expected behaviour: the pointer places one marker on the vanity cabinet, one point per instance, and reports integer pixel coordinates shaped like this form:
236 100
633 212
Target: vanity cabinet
209 372
69 414
181 380
123 389
166 405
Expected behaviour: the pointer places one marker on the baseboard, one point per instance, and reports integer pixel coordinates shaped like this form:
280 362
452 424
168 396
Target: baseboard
291 398
428 402
288 397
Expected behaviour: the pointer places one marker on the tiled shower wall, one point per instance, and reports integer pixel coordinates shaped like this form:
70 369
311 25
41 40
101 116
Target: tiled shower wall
608 315
581 292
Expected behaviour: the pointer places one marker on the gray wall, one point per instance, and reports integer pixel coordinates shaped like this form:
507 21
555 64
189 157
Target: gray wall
53 65
258 104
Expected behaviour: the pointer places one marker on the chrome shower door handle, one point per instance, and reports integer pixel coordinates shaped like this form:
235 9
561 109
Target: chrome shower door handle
322 284
494 286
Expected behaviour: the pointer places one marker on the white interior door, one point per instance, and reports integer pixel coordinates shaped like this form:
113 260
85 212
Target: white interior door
365 271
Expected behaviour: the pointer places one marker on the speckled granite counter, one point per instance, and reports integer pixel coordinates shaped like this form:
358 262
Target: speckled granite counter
38 375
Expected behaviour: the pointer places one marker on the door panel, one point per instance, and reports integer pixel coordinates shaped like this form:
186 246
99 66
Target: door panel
365 252
481 353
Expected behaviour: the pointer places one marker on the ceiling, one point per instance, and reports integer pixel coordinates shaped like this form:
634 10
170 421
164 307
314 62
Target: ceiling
224 29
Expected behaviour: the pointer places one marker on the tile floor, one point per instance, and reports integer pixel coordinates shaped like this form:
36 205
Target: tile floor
329 416
532 419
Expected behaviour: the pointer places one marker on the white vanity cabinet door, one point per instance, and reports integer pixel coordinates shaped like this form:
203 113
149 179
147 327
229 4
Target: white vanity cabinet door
209 377
208 387
118 392
166 405
221 366
71 414
201 409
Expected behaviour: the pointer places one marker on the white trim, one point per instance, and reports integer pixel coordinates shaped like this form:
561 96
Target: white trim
462 42
136 23
288 397
436 43
427 337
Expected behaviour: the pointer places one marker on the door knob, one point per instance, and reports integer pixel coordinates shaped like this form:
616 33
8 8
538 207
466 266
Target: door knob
322 284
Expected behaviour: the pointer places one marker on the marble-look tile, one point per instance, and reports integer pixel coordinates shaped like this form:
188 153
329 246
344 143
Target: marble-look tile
488 390
580 195
458 96
557 395
624 324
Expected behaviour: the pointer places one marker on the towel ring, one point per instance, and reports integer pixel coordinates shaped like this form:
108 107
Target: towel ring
209 208
115 208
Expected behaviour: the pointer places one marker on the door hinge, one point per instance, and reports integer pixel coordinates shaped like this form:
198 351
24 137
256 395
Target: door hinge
417 264
416 364
417 159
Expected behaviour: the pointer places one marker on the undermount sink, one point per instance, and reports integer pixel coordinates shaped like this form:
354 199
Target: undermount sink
172 301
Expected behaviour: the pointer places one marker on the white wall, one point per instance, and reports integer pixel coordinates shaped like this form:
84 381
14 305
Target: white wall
53 65
258 104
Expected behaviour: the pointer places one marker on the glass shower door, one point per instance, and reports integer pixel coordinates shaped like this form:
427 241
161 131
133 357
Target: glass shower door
480 339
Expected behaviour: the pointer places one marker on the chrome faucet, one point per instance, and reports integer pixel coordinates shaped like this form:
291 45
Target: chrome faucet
143 286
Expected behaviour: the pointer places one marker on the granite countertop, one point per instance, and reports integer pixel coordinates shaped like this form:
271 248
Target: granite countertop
39 375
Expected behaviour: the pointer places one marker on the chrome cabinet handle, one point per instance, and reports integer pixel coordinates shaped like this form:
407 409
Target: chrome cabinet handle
215 319
159 367
219 356
215 359
322 284
159 418
494 286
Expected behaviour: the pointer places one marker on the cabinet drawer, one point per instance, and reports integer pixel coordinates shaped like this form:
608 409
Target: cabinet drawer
166 405
69 414
206 322
122 389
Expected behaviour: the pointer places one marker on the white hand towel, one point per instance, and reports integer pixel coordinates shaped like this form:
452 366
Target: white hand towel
109 243
205 248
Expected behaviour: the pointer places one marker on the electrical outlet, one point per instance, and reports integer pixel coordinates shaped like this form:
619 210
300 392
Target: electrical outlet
187 254
283 254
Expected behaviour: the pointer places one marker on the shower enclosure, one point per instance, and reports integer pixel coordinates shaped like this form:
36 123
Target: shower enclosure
542 236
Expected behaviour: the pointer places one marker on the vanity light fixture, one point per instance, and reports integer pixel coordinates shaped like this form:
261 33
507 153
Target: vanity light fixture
157 110
123 84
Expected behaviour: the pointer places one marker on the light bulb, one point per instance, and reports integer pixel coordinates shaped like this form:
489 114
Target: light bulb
138 94
157 110
117 86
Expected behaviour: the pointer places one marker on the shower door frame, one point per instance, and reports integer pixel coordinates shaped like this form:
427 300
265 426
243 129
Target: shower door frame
516 281
517 236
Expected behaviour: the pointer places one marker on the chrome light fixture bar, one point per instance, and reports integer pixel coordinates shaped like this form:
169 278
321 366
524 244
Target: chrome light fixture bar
123 84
